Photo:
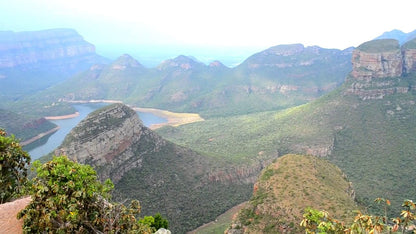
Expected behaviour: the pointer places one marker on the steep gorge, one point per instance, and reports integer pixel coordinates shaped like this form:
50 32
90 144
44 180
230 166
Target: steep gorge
185 186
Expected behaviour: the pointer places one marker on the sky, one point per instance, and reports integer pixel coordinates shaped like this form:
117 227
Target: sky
214 28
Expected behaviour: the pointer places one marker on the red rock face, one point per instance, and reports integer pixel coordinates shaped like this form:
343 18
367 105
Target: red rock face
376 65
409 57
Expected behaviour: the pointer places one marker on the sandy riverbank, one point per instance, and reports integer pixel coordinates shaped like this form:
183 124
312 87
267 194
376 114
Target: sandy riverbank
40 135
76 114
174 119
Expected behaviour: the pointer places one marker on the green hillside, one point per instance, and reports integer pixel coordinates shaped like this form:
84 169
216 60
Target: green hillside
378 46
286 188
372 141
276 78
23 127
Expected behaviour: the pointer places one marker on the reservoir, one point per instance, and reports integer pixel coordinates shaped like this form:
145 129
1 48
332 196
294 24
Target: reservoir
66 126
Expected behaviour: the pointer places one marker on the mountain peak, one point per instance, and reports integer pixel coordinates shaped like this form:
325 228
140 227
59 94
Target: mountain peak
399 35
284 50
182 62
216 64
125 61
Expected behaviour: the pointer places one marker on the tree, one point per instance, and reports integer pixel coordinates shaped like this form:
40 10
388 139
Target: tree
160 222
315 221
13 167
68 198
155 222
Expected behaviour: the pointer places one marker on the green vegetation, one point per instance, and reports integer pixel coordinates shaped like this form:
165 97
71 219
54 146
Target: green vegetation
178 177
378 46
156 221
23 127
377 135
315 221
410 44
67 197
14 163
265 81
289 185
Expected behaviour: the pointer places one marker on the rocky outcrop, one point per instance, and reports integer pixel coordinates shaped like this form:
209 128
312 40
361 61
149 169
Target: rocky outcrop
377 59
409 56
379 68
8 212
166 178
181 62
107 140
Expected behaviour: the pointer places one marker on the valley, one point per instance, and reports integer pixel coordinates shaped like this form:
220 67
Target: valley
291 126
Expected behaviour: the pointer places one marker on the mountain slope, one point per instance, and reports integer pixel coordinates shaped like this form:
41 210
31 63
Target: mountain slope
276 78
24 128
366 127
286 188
188 188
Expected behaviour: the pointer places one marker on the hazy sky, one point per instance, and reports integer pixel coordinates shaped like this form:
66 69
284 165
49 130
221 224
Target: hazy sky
253 24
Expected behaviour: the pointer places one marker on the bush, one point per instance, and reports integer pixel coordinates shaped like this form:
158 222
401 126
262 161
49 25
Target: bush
13 167
315 221
67 198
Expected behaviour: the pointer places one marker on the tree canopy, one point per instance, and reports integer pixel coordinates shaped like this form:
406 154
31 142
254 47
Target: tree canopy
68 198
14 162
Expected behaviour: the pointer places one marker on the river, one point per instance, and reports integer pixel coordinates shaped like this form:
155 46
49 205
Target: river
66 126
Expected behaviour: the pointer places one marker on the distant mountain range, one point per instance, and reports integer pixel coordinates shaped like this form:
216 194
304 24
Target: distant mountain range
366 126
32 61
276 78
398 35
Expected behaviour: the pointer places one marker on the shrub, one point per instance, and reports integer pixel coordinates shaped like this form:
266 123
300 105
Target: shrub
68 198
13 167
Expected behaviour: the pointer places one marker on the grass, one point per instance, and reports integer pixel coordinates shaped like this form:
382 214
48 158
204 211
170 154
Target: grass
220 224
377 46
287 187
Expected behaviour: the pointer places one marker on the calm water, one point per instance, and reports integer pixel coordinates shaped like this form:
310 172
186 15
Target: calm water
66 126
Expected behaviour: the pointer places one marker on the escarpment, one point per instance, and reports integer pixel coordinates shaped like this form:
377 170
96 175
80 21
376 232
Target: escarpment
32 48
382 67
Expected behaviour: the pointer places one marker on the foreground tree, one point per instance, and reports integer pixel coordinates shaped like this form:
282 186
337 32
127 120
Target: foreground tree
68 198
315 221
13 167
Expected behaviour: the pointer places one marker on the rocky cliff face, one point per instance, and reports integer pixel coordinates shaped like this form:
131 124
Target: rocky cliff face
32 61
106 141
380 67
146 167
23 48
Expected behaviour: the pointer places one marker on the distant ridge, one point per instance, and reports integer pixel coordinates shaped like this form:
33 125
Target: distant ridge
398 35
275 78
32 61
